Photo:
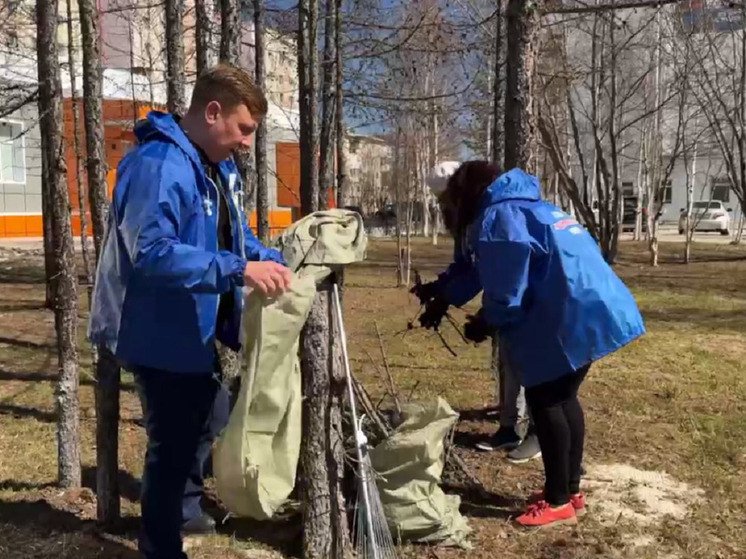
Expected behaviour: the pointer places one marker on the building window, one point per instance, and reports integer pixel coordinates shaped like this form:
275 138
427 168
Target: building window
628 189
667 193
720 190
12 153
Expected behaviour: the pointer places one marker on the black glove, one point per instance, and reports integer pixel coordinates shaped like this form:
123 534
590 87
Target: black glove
477 329
435 310
426 291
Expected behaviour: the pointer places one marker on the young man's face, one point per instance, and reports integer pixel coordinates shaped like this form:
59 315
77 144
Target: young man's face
228 130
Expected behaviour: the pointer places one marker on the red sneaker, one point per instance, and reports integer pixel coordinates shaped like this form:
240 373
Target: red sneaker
541 515
577 501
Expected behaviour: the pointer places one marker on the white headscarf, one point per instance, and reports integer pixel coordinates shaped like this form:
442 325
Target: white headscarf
438 178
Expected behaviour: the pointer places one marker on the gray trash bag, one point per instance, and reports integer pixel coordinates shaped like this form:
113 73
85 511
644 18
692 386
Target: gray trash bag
408 467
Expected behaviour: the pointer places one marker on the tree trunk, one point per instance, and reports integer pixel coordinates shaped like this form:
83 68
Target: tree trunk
107 438
325 530
326 146
230 52
522 23
342 185
176 100
498 99
65 285
94 122
77 149
49 270
308 70
205 15
690 180
262 200
107 371
230 32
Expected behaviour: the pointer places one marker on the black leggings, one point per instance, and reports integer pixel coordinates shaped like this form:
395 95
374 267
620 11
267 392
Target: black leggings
560 427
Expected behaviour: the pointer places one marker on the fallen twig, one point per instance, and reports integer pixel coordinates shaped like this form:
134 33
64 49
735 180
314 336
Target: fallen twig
392 386
411 391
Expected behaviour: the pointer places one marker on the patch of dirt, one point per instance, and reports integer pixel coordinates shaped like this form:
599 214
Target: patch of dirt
733 345
644 497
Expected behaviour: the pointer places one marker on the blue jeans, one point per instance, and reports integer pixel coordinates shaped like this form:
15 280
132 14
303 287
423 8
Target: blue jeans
509 393
183 413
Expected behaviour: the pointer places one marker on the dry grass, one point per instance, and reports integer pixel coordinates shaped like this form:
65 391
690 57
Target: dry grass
674 402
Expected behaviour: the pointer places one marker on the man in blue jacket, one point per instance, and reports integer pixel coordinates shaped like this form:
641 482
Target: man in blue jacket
177 254
557 305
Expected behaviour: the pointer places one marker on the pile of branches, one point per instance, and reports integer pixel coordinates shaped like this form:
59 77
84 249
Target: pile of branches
380 423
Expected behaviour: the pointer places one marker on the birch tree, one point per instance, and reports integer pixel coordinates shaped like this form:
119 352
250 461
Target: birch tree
262 201
65 285
308 71
78 152
175 60
107 371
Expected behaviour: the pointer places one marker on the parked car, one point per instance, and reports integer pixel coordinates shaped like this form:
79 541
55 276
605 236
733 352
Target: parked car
709 215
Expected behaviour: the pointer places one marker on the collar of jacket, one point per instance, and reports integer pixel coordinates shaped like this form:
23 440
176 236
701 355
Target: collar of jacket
164 125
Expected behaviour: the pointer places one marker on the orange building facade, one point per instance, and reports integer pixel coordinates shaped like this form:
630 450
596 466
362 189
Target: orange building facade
119 119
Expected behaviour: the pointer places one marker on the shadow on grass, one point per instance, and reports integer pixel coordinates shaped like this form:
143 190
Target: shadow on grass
21 412
26 344
23 305
710 319
129 485
15 485
490 414
481 504
285 536
37 529
45 377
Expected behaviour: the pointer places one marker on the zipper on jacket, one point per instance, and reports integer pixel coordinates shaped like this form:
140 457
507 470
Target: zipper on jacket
231 186
217 226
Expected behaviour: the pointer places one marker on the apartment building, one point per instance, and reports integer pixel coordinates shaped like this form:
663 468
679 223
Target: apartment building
133 55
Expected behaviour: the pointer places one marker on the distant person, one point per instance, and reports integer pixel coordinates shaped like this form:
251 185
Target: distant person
176 256
555 303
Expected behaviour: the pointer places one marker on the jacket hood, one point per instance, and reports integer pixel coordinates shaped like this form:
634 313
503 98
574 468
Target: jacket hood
513 185
163 125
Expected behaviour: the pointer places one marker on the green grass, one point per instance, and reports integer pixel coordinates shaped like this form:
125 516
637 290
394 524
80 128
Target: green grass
674 401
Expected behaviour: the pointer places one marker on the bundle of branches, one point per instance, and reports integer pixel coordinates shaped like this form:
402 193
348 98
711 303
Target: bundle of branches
379 423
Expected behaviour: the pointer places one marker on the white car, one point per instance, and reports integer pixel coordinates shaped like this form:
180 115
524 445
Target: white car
709 215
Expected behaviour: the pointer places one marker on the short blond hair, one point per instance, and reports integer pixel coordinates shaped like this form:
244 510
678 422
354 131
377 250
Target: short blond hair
230 86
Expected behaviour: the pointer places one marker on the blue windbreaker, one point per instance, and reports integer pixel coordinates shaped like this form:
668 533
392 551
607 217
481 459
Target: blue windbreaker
557 304
160 275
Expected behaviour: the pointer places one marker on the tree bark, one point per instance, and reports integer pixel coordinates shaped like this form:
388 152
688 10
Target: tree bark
77 150
205 15
522 24
342 179
262 196
107 371
176 100
498 102
308 12
98 198
230 32
328 98
49 270
107 438
325 530
65 285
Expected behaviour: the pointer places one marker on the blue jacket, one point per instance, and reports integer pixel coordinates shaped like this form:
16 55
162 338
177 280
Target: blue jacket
160 274
555 301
